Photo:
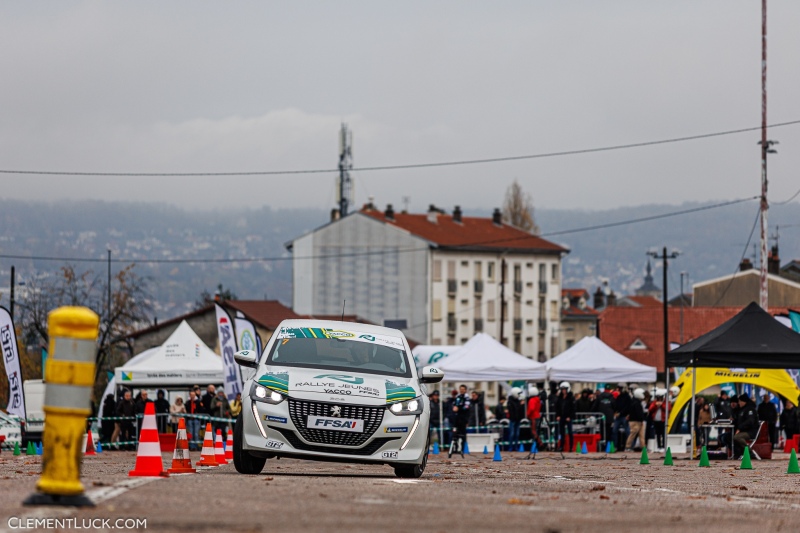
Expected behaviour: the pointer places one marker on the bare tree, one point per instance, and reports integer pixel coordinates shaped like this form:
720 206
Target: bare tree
129 307
518 209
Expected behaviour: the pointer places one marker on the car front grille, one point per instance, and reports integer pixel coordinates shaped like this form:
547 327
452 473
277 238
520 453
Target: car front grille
298 444
299 410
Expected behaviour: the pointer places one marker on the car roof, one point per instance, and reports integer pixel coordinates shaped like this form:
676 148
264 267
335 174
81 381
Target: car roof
338 325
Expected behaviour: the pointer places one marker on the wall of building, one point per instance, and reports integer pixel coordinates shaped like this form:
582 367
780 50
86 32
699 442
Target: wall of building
743 289
466 299
380 271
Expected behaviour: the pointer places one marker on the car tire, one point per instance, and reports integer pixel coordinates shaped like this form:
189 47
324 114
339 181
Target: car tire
414 471
244 462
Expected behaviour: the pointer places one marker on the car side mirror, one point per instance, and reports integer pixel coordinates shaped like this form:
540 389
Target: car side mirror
246 358
431 374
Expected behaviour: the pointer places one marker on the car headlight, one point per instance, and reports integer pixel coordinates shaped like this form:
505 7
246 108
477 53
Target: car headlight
260 393
409 407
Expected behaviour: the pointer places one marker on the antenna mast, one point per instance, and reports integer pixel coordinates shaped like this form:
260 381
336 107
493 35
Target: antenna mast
344 182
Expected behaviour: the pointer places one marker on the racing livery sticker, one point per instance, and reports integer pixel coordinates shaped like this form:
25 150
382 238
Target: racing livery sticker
395 430
270 418
325 333
397 392
339 384
277 381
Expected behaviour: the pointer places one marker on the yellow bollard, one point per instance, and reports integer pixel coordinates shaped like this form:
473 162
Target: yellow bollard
70 377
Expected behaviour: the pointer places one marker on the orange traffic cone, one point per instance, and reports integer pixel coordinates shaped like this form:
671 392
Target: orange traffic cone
219 451
181 462
229 446
207 457
90 449
148 453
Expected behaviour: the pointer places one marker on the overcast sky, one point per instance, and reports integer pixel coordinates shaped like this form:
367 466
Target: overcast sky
252 86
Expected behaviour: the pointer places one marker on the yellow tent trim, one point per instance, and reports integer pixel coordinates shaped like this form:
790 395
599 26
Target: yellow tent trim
776 380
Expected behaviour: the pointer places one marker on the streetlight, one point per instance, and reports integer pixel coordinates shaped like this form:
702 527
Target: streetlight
664 257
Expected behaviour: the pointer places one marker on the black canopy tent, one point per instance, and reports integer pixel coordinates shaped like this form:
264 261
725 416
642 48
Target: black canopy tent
751 339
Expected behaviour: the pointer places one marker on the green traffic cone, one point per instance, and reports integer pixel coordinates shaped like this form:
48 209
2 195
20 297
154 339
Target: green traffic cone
613 448
704 457
644 460
668 458
746 463
577 448
30 450
793 467
16 448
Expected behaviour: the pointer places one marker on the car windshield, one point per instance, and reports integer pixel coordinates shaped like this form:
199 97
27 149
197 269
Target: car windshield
340 350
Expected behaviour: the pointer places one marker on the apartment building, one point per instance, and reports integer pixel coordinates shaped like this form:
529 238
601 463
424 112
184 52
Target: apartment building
442 277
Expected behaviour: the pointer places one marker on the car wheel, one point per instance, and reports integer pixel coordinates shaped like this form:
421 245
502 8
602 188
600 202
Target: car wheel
242 460
414 471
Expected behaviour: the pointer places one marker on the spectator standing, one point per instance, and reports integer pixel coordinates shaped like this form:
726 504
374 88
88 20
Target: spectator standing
621 428
126 408
605 405
108 425
789 420
162 411
658 414
565 414
723 406
176 410
500 409
220 408
194 409
703 419
461 409
140 407
236 405
477 416
584 403
534 411
516 412
636 421
436 413
208 397
767 412
746 425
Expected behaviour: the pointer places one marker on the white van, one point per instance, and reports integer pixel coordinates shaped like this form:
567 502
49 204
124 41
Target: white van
33 428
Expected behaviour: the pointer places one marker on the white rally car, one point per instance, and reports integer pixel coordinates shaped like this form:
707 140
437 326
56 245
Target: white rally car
334 391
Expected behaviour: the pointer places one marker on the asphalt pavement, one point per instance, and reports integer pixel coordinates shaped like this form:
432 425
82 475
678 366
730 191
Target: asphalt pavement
474 494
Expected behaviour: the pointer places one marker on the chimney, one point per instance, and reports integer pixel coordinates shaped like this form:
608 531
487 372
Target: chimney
335 215
370 204
599 299
497 217
612 299
457 214
389 212
433 214
745 265
774 261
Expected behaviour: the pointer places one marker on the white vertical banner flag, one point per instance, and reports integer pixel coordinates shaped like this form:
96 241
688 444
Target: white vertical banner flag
227 347
8 340
247 338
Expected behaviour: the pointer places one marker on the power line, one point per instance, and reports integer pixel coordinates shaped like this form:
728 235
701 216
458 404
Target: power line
789 200
368 253
401 167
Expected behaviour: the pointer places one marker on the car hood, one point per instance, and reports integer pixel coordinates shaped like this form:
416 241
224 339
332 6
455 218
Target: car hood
343 387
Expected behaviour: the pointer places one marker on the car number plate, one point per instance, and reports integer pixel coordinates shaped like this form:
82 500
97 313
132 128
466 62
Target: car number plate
353 425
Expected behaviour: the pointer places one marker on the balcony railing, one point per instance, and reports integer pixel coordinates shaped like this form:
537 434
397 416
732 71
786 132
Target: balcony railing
542 324
542 287
517 287
517 325
478 286
451 323
478 325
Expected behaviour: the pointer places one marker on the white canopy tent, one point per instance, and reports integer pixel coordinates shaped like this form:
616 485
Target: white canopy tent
429 354
593 361
484 359
183 359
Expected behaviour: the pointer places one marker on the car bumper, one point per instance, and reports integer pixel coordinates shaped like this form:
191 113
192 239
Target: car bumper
271 430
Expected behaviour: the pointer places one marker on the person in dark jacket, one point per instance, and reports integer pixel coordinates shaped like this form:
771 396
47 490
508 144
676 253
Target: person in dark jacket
605 405
621 429
636 419
767 412
565 414
584 403
140 407
162 410
461 409
208 397
194 409
109 411
746 425
790 423
126 408
477 411
723 406
516 412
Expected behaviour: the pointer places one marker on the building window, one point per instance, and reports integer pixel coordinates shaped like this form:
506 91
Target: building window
437 310
437 270
542 272
437 341
490 310
490 270
638 345
554 314
554 272
517 343
478 270
451 270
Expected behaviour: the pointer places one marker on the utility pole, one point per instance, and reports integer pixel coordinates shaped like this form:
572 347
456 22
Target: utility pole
13 282
763 293
108 295
664 257
502 299
345 183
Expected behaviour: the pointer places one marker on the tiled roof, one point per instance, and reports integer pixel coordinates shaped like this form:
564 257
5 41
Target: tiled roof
471 232
265 313
575 293
620 327
646 301
575 311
